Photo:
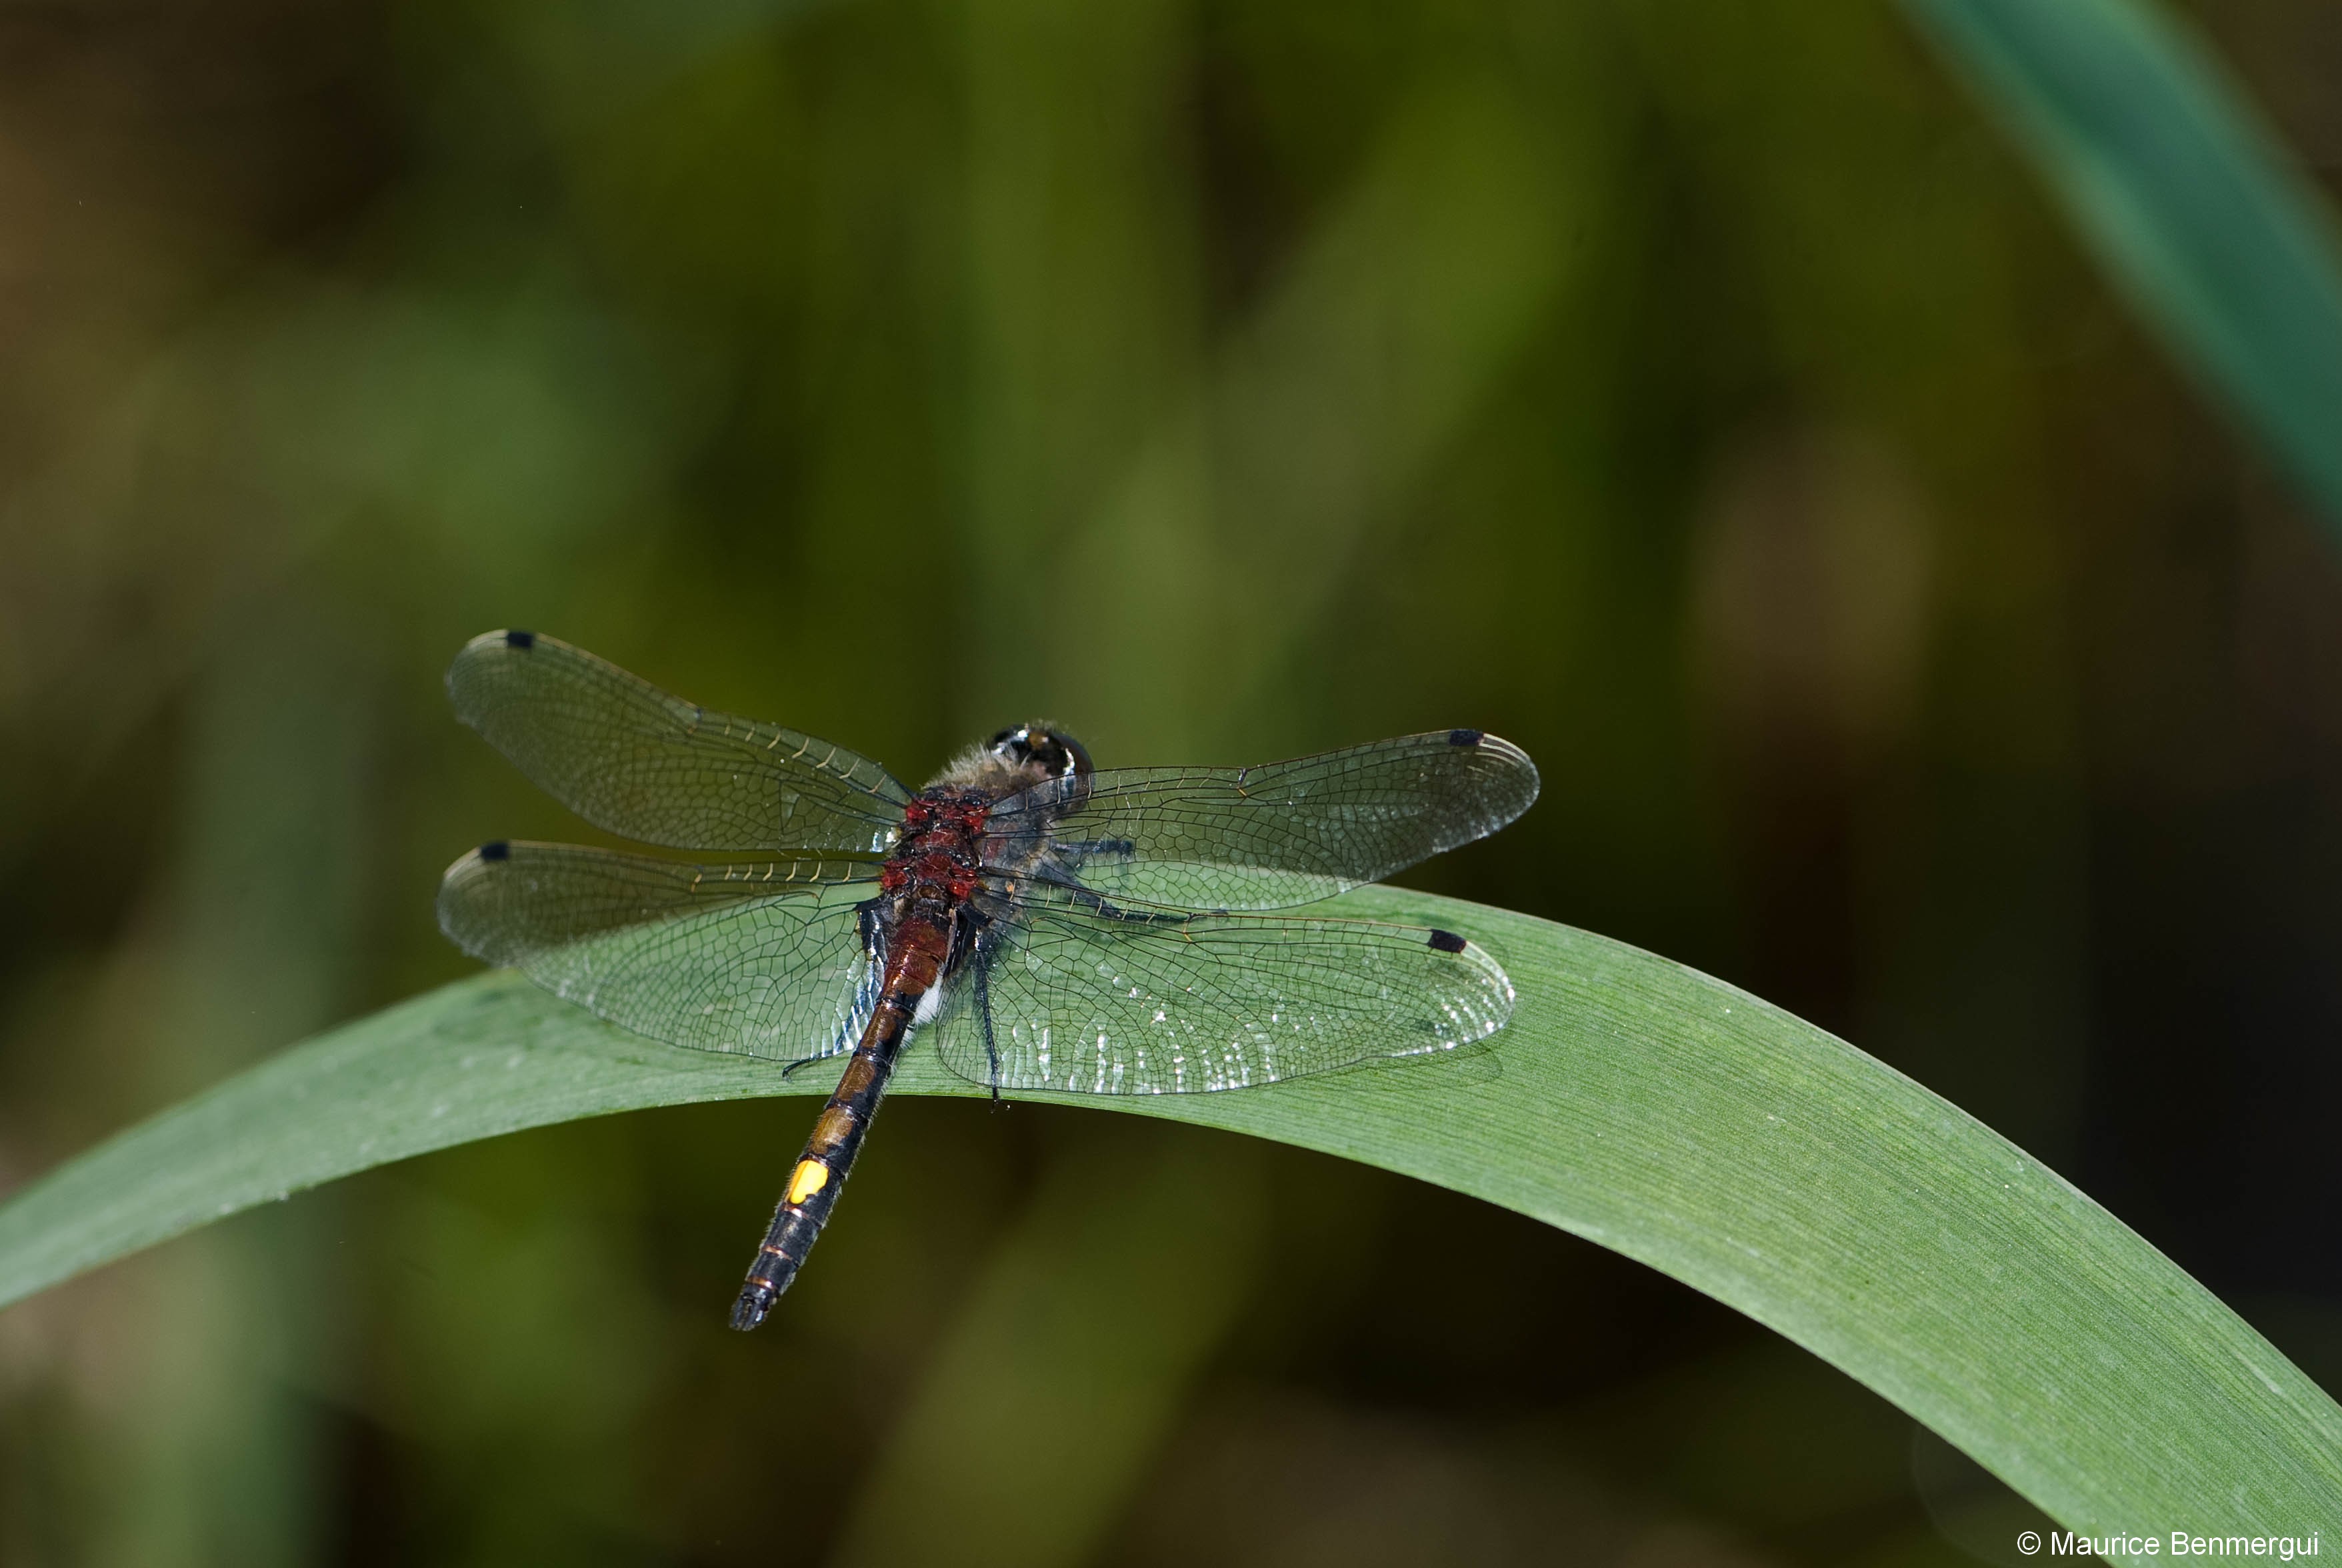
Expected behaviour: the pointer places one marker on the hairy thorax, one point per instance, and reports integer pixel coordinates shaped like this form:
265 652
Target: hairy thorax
930 882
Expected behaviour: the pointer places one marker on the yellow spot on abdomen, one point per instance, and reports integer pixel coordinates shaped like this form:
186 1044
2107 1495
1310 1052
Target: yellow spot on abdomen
810 1177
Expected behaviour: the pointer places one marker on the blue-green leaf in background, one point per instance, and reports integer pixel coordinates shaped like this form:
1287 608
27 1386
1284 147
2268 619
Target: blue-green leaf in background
2189 202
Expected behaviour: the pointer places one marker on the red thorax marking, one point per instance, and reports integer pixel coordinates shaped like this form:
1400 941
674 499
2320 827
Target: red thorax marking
938 854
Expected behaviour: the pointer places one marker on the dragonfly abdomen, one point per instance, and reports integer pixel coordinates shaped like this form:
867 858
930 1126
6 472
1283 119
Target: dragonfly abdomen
820 1172
915 955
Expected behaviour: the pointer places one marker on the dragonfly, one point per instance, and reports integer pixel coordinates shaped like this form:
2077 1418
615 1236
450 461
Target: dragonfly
1049 925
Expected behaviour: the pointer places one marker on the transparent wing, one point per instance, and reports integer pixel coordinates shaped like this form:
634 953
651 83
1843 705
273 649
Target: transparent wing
1095 1003
1265 837
755 959
628 757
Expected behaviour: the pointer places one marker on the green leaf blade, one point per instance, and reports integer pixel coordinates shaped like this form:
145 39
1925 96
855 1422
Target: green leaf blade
1640 1105
2222 243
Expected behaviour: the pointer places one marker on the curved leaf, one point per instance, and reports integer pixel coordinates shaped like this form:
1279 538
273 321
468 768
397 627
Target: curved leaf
1641 1105
2190 203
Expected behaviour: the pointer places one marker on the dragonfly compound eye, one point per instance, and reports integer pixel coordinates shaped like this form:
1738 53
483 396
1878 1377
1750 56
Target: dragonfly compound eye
1059 754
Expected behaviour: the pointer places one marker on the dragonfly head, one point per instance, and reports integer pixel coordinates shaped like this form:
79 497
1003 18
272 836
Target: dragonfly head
1041 752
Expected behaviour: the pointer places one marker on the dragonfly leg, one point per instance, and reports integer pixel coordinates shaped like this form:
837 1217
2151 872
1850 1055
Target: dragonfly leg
984 1017
977 941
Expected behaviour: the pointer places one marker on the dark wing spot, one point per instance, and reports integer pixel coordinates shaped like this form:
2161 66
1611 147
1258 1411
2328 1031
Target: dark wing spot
1446 942
1465 737
516 638
498 850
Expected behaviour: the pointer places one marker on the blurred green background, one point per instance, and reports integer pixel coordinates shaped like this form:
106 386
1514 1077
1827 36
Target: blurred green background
1704 396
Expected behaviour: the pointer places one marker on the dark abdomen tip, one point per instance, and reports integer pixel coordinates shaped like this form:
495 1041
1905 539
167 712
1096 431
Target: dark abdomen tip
756 1301
1465 737
1447 942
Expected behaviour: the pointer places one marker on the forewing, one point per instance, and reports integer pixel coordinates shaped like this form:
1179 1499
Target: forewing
1095 1003
754 960
1265 837
629 758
